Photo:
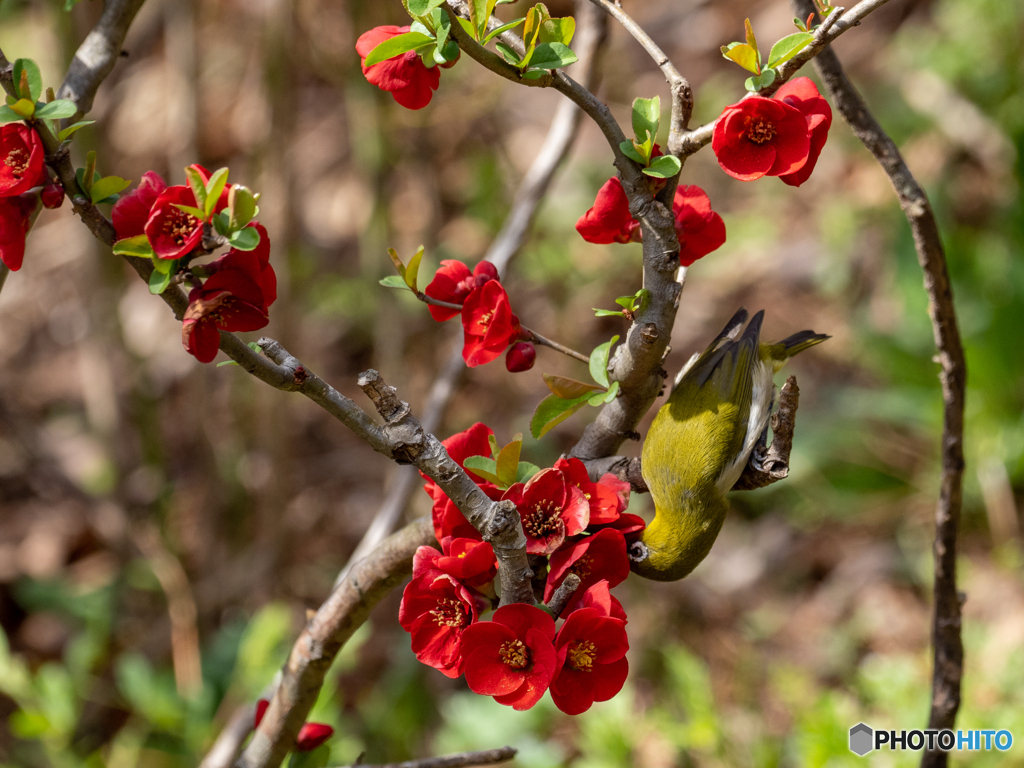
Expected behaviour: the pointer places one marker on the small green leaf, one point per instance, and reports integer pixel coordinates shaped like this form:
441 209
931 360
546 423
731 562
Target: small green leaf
484 467
245 239
24 108
535 17
198 187
788 47
413 269
107 186
510 56
72 128
508 461
743 55
241 206
552 411
612 392
492 441
28 82
525 471
566 388
396 261
626 301
606 312
8 115
423 7
557 30
663 167
757 82
397 45
552 56
503 28
599 361
467 26
629 150
191 210
88 173
164 266
214 187
158 282
597 399
137 246
646 118
751 40
56 110
226 362
444 27
394 281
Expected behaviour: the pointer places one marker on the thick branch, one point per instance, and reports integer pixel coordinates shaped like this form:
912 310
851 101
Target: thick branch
97 55
833 26
463 760
953 376
329 629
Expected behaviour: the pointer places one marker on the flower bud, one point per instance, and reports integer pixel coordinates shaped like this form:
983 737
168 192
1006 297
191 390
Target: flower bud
520 357
53 195
312 736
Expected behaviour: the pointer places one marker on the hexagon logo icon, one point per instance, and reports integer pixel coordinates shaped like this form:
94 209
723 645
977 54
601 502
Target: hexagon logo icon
861 739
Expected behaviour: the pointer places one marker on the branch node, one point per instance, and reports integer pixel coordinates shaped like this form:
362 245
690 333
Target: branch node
563 594
384 397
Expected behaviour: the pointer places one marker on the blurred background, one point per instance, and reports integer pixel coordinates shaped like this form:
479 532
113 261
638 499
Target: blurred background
165 525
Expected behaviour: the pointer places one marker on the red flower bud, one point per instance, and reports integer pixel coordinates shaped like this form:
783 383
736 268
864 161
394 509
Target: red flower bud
312 735
261 710
520 357
53 195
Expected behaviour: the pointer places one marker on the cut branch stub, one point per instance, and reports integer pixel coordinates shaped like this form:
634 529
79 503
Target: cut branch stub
769 464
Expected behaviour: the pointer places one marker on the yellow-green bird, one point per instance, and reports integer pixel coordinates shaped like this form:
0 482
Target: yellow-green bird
700 441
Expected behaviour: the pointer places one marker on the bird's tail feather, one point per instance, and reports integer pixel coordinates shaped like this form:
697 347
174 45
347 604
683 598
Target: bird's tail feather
797 343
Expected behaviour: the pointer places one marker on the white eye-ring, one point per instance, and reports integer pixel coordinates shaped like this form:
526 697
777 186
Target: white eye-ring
638 552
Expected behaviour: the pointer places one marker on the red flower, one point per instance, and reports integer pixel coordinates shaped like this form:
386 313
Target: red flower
453 282
254 263
15 222
520 357
52 195
131 212
231 300
261 710
312 735
21 159
601 556
511 658
592 662
627 525
700 230
488 324
408 79
802 94
436 610
761 137
551 509
599 598
170 230
609 219
471 561
607 498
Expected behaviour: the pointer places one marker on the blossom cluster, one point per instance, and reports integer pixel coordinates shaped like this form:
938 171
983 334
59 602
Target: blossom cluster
24 181
572 525
488 324
240 286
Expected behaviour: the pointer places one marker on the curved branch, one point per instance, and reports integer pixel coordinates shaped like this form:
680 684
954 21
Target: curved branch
463 760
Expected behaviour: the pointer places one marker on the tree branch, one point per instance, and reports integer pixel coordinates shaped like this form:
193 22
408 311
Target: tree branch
768 465
563 594
324 635
948 645
463 760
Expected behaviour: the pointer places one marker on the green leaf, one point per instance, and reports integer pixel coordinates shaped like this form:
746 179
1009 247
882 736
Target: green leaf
423 7
198 186
606 312
164 266
213 189
8 115
646 118
394 281
552 411
552 56
510 56
226 362
137 246
492 441
663 167
56 110
245 239
525 471
788 47
484 467
26 72
566 388
191 210
467 26
599 361
241 206
503 28
612 392
743 55
107 186
507 464
557 30
88 173
444 27
413 269
629 150
72 128
535 18
751 40
158 282
757 82
396 46
24 108
626 301
396 261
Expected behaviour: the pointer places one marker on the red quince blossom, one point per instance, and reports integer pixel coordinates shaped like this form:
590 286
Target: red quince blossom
131 212
488 324
607 498
802 94
520 357
312 735
436 610
592 662
761 137
551 510
410 82
592 558
609 219
471 561
231 300
512 657
52 195
700 230
628 525
171 232
453 282
254 263
601 599
15 222
21 159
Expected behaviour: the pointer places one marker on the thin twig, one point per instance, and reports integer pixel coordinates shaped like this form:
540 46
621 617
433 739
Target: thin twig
563 594
769 464
463 760
224 750
536 338
948 645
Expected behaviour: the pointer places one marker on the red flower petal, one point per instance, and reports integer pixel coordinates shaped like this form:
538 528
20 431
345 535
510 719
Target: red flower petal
408 79
15 221
171 231
131 212
452 283
21 159
312 735
609 219
601 556
699 228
